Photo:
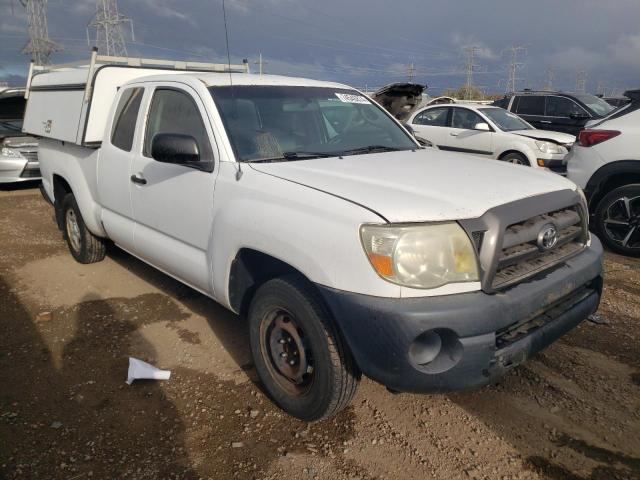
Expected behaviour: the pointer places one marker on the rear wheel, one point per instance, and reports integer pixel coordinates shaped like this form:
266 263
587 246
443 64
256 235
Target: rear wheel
83 245
617 220
516 159
300 357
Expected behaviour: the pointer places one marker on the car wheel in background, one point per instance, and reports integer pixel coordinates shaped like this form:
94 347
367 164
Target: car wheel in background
301 358
617 220
516 158
83 245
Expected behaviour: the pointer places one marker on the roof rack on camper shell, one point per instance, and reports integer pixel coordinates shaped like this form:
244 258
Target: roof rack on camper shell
84 90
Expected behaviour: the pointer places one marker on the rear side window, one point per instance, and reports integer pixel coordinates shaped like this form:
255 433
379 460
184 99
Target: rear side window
126 116
562 107
435 117
531 105
173 111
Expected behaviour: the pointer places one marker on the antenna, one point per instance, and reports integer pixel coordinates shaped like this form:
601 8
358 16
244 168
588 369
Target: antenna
226 35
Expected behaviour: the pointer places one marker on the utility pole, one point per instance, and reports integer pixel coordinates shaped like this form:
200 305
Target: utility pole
581 82
40 46
108 23
514 66
549 82
411 72
261 63
471 66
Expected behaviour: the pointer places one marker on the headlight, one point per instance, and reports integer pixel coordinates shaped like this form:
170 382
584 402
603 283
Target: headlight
10 152
548 147
421 256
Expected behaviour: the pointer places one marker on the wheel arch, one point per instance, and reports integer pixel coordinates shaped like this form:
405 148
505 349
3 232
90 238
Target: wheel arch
249 270
519 151
609 177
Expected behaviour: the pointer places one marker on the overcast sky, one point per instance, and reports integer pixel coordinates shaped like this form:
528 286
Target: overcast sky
368 42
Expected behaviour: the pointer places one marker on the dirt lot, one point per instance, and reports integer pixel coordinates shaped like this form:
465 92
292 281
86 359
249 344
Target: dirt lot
573 412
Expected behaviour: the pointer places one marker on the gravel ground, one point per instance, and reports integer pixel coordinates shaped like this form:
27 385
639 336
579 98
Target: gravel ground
65 412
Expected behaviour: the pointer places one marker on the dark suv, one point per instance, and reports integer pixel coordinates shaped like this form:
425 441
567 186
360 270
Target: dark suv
562 112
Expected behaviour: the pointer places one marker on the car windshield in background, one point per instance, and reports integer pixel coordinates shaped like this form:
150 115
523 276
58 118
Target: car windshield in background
506 121
597 105
297 123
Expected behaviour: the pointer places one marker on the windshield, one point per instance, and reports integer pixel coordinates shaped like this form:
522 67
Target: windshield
506 121
597 105
284 122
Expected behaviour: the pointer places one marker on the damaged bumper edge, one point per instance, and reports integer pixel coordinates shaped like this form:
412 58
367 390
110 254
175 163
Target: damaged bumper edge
455 342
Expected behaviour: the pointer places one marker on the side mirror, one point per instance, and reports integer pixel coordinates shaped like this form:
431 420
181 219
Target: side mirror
482 126
175 148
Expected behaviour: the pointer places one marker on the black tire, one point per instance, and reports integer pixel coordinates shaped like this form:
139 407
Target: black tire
610 218
83 245
516 158
334 376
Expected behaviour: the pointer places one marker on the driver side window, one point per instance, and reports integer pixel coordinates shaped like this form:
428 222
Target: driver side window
465 119
562 107
174 111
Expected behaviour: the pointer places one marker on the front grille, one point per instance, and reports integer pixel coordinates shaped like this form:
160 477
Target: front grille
521 255
30 155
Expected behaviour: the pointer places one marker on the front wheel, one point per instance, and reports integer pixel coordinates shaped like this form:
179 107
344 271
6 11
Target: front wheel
617 220
516 159
301 358
83 245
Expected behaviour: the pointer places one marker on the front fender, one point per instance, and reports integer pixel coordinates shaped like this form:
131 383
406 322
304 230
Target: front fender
313 232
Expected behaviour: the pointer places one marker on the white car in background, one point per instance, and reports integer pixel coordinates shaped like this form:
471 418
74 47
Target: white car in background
491 131
606 164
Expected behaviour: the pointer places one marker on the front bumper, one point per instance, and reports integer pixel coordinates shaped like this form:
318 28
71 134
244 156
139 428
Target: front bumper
13 170
482 336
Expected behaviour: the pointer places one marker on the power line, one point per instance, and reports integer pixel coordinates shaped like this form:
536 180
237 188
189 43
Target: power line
40 46
108 23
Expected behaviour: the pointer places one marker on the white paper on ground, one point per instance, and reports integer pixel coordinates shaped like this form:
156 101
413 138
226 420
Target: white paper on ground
142 370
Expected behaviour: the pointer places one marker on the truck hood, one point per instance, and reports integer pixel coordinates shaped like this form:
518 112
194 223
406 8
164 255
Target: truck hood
419 186
555 137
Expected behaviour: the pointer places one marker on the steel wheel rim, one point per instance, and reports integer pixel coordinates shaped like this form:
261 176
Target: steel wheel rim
73 230
286 352
622 222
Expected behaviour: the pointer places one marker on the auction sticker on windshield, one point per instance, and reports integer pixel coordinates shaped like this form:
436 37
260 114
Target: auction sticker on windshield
349 98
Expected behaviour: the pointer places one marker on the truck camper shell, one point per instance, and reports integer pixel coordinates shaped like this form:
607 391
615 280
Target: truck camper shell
71 102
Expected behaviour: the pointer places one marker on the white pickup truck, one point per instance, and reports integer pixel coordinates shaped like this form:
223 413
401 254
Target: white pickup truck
308 210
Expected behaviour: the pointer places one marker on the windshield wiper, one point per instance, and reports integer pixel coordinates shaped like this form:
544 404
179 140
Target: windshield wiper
287 156
371 149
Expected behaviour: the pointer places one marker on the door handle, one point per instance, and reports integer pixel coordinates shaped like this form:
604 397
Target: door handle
138 180
454 134
545 121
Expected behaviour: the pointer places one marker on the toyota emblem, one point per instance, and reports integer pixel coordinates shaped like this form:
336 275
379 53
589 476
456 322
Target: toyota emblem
547 238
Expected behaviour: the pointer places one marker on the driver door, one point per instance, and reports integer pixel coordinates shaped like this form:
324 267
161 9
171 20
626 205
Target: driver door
173 204
463 136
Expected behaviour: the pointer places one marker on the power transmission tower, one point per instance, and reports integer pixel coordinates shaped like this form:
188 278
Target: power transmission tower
108 24
411 72
549 82
581 82
514 66
471 66
261 63
40 46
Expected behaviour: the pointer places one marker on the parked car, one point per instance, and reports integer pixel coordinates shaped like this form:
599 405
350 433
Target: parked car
348 250
492 132
605 162
18 152
557 111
